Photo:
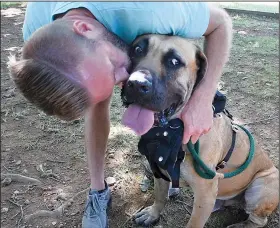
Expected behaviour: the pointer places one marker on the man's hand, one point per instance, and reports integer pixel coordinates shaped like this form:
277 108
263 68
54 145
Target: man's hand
197 116
198 113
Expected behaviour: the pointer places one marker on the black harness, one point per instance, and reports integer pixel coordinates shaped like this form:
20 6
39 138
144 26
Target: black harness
162 145
219 104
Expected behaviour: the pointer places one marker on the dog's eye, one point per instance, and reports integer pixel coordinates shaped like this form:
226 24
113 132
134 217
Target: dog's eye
138 50
174 62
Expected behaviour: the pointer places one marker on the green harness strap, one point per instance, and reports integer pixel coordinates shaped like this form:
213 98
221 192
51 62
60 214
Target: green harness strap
205 172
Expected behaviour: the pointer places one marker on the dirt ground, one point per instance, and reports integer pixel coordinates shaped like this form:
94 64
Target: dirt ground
53 151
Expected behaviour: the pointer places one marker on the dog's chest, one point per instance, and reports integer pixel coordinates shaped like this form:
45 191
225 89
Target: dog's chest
162 147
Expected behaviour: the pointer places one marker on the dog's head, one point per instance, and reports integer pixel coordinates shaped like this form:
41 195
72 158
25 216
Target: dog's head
165 70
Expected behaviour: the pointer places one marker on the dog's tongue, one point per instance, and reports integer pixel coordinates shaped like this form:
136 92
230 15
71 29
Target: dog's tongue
138 119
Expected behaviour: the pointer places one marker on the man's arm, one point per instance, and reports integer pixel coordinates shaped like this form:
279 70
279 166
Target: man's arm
198 114
218 38
97 127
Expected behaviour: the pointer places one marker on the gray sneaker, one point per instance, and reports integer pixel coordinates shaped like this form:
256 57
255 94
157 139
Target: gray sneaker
95 215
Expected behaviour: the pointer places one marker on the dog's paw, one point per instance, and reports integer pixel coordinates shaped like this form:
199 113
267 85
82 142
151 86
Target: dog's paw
148 216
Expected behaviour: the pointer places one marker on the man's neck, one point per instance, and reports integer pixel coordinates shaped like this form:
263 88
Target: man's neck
80 13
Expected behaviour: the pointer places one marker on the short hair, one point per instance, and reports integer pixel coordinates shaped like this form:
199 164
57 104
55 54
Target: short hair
47 75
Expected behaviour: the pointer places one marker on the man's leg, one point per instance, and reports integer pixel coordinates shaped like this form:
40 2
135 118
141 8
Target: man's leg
97 127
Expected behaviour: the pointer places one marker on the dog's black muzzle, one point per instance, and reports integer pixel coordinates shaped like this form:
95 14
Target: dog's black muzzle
146 89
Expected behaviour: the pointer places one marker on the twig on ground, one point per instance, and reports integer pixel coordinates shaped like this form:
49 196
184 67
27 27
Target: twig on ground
261 121
55 213
131 216
15 203
187 209
21 178
21 217
179 201
21 210
185 205
50 160
7 168
14 216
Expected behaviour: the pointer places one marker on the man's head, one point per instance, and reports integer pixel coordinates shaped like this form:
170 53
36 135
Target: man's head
68 65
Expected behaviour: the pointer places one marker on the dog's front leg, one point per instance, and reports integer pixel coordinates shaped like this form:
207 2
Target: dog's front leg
150 215
205 193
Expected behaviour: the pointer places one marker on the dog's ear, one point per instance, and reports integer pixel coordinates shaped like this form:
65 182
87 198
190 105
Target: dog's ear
201 62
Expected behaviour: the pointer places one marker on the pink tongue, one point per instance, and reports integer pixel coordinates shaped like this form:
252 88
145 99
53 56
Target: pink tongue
138 119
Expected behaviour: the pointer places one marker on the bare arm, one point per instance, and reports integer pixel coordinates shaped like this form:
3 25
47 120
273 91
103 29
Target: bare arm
97 127
218 38
198 114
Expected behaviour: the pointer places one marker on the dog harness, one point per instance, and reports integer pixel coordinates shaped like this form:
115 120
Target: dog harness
162 146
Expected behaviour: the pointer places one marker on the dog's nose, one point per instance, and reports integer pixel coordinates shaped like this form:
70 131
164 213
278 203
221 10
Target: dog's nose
140 82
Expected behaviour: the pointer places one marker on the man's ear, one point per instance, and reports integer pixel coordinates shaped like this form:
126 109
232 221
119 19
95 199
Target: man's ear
82 28
202 64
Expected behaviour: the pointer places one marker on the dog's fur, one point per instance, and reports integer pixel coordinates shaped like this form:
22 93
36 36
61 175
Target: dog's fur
258 184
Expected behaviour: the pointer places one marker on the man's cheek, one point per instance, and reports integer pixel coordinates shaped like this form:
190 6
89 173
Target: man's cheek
100 88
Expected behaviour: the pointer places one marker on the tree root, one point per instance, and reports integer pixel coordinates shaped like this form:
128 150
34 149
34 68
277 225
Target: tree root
58 212
261 120
21 211
20 178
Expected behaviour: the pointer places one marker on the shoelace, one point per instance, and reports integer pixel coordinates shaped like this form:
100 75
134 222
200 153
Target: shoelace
94 204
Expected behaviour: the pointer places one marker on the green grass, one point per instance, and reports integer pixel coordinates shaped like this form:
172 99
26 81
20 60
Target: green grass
254 58
256 44
6 5
262 7
253 22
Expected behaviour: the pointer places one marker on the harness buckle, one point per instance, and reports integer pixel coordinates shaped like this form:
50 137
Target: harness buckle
213 107
234 128
219 115
221 165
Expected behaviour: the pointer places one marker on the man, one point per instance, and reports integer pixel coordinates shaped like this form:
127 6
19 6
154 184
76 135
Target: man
71 62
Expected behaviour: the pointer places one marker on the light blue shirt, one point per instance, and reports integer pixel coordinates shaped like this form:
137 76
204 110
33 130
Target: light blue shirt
128 19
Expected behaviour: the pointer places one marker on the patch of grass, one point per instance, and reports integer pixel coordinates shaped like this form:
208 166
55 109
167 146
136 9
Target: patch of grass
254 63
254 59
256 45
116 106
249 21
6 5
271 7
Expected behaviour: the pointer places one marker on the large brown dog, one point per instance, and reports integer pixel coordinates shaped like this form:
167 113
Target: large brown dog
165 72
